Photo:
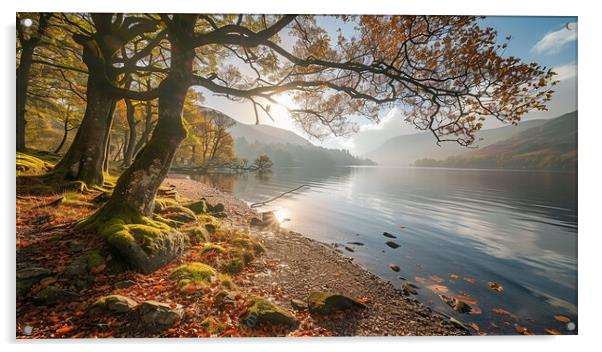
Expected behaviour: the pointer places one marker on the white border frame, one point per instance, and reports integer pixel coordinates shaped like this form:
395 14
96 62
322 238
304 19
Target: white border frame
589 170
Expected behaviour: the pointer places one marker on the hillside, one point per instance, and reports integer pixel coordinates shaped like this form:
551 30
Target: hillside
551 146
260 133
404 150
285 148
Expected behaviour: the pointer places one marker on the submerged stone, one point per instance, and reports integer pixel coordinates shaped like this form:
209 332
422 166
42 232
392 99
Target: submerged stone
392 244
389 235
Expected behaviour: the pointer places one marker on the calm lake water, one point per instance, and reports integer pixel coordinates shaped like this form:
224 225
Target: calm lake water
457 229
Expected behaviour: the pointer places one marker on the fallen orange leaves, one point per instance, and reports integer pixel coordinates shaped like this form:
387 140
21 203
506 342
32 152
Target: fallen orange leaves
562 318
65 330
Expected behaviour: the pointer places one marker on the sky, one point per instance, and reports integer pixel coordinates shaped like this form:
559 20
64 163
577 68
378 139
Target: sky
549 41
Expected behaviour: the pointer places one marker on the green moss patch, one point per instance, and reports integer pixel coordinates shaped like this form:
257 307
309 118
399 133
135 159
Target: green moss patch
197 234
321 302
261 311
29 165
193 272
145 243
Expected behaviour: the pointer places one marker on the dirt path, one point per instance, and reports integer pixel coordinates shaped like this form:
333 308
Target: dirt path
295 265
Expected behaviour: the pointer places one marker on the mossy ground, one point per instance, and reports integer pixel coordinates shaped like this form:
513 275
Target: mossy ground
45 240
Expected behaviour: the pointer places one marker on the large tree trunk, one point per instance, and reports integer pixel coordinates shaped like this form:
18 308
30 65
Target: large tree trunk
22 83
84 161
138 185
133 197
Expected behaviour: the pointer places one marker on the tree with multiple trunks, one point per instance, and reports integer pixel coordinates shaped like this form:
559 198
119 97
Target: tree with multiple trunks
446 73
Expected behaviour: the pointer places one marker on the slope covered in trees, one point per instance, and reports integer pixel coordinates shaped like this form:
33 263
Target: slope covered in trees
551 146
406 149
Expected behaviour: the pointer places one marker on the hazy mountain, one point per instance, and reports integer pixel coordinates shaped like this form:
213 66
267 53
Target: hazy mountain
405 149
285 148
552 145
297 155
260 133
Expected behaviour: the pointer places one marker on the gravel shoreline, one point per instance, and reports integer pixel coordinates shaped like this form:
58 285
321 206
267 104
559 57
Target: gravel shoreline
298 265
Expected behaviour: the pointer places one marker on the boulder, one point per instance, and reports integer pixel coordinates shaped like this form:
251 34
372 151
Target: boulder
255 222
298 304
409 289
79 266
52 295
113 304
155 314
218 208
457 304
210 228
148 248
320 302
268 218
28 277
262 311
179 214
124 284
199 207
224 298
213 326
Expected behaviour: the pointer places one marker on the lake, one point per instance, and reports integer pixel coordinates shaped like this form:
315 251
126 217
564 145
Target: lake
458 230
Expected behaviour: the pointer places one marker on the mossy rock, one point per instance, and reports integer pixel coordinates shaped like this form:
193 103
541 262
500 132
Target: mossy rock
179 213
52 295
113 304
213 326
193 273
155 314
261 311
94 259
218 208
226 281
163 203
234 265
28 277
199 207
197 234
212 248
323 303
144 243
223 298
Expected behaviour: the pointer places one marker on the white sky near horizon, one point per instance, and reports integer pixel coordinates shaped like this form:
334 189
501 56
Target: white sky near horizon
549 41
